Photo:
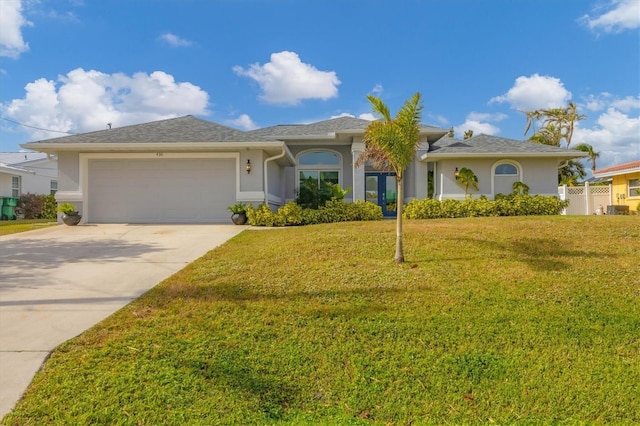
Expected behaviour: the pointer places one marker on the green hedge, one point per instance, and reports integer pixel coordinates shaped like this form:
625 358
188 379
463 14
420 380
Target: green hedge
291 214
509 205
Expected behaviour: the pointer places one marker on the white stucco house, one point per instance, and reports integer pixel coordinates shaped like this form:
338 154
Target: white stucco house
190 170
27 172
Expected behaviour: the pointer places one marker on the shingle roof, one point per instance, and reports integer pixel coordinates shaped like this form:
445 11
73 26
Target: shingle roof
486 144
181 129
320 128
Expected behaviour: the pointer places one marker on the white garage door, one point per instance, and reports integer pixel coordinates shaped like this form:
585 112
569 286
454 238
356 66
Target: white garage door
161 190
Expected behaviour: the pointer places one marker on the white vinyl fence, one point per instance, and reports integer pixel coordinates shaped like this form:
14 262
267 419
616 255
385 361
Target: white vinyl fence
587 199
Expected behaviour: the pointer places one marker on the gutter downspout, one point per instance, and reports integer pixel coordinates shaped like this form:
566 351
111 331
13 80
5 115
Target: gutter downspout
266 176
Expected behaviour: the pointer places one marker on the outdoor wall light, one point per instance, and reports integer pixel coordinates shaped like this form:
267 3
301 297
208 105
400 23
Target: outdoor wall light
456 172
248 166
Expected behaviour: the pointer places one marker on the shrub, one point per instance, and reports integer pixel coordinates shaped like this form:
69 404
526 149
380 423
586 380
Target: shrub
37 206
333 211
31 205
314 195
514 204
49 207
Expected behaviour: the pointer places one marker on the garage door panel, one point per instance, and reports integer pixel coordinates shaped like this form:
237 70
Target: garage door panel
161 190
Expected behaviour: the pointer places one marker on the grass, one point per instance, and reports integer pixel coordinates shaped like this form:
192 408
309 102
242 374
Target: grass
532 320
22 225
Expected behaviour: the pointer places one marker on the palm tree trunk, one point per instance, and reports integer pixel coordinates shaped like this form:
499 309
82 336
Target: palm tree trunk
399 257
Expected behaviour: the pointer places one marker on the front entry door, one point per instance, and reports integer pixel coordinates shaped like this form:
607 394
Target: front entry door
382 189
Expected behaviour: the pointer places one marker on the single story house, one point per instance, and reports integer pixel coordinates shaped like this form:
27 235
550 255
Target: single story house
27 172
625 182
190 170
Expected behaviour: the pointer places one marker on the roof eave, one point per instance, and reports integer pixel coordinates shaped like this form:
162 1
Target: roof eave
445 155
149 146
616 172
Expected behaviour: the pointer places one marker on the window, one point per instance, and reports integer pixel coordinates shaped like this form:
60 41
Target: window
322 166
15 186
634 188
507 169
54 187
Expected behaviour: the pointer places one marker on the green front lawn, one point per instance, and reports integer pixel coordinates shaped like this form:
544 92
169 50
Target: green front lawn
14 226
492 320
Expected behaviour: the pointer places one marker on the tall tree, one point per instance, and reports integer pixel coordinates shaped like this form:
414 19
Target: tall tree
468 134
391 144
585 147
557 123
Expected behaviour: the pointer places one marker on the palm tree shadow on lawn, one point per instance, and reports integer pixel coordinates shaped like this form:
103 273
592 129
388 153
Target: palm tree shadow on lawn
539 253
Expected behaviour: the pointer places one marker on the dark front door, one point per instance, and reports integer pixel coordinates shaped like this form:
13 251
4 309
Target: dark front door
382 189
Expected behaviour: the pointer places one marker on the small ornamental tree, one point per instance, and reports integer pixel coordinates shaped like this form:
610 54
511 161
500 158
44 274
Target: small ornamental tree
391 144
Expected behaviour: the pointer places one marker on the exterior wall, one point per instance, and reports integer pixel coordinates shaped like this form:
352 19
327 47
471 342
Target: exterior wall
620 185
68 171
5 184
540 174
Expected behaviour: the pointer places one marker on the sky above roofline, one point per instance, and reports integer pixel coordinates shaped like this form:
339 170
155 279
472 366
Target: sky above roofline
73 66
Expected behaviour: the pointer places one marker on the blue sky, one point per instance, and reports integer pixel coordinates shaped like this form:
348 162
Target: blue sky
74 66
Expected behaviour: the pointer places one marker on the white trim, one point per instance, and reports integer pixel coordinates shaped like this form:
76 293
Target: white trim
68 196
85 157
437 156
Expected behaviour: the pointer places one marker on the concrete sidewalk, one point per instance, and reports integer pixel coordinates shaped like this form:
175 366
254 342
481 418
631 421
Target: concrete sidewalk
57 282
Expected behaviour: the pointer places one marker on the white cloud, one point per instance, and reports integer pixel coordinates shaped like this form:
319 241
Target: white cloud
11 22
243 122
287 80
377 90
604 100
616 136
85 101
477 127
535 92
174 40
485 116
365 116
627 104
618 16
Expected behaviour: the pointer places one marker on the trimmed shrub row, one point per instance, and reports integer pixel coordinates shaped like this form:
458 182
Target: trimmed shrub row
292 214
509 205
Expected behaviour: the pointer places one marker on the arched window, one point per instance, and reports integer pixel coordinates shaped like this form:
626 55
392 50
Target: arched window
504 174
322 166
506 169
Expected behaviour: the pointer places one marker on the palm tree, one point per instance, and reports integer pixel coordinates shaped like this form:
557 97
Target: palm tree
466 177
391 144
562 120
585 147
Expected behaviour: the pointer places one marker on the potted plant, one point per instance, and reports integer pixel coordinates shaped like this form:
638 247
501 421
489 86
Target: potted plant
70 215
239 216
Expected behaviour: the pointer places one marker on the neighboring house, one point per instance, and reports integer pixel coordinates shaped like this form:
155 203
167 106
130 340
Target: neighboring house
27 172
190 170
625 181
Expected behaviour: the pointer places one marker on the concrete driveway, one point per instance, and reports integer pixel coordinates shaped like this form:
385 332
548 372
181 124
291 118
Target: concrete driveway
57 282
